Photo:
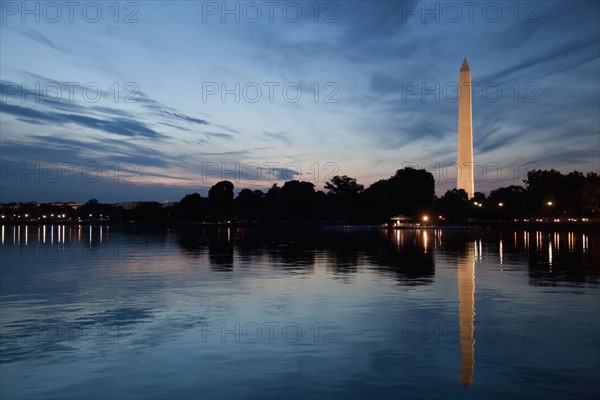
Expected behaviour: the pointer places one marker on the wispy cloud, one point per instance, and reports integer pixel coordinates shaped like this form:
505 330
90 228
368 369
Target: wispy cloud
35 35
557 59
283 137
226 136
117 126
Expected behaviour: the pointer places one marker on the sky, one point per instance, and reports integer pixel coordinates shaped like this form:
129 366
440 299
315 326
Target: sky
146 100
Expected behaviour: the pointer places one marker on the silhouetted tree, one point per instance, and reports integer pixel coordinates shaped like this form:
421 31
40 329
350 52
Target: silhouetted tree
147 211
91 207
249 204
220 198
344 199
296 199
344 186
479 197
591 195
272 202
410 191
192 207
543 186
454 205
509 202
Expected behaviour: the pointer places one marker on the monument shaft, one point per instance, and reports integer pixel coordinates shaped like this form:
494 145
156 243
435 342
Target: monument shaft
465 179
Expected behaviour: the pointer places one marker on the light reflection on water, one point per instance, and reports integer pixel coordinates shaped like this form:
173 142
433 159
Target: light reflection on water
269 313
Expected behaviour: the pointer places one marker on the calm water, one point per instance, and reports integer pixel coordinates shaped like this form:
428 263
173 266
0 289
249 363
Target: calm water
92 312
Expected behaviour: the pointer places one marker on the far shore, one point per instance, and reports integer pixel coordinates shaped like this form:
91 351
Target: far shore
588 226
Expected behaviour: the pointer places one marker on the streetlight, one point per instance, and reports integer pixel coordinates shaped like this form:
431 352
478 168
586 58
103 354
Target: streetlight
549 203
500 204
425 218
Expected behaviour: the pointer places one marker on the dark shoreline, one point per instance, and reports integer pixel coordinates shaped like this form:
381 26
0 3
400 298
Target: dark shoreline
592 226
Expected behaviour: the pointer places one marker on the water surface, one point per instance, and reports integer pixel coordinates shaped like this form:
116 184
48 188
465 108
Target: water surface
94 312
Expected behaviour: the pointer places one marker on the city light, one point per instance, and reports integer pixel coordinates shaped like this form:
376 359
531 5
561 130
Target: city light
425 218
500 204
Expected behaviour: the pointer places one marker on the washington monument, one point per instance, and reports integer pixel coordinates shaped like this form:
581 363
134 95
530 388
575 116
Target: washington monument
464 178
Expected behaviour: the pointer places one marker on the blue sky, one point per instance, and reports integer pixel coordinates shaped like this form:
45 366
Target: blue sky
150 100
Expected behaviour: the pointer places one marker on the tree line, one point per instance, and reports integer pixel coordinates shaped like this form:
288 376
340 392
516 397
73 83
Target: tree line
545 194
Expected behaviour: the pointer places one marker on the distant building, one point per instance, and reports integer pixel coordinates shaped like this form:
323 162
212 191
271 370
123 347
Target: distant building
130 205
72 205
14 206
401 221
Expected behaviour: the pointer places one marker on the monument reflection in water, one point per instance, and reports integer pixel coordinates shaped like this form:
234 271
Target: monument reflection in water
466 307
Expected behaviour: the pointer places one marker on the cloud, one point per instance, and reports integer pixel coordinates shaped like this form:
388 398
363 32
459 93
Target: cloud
168 112
121 122
52 149
28 114
557 59
384 84
226 128
34 35
496 140
181 128
117 126
564 156
19 93
185 118
283 137
284 174
219 135
373 29
224 153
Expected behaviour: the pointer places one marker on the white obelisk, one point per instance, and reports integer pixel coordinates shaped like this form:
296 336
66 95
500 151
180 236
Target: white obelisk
464 179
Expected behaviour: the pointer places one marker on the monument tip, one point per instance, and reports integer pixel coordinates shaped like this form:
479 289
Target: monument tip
465 65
